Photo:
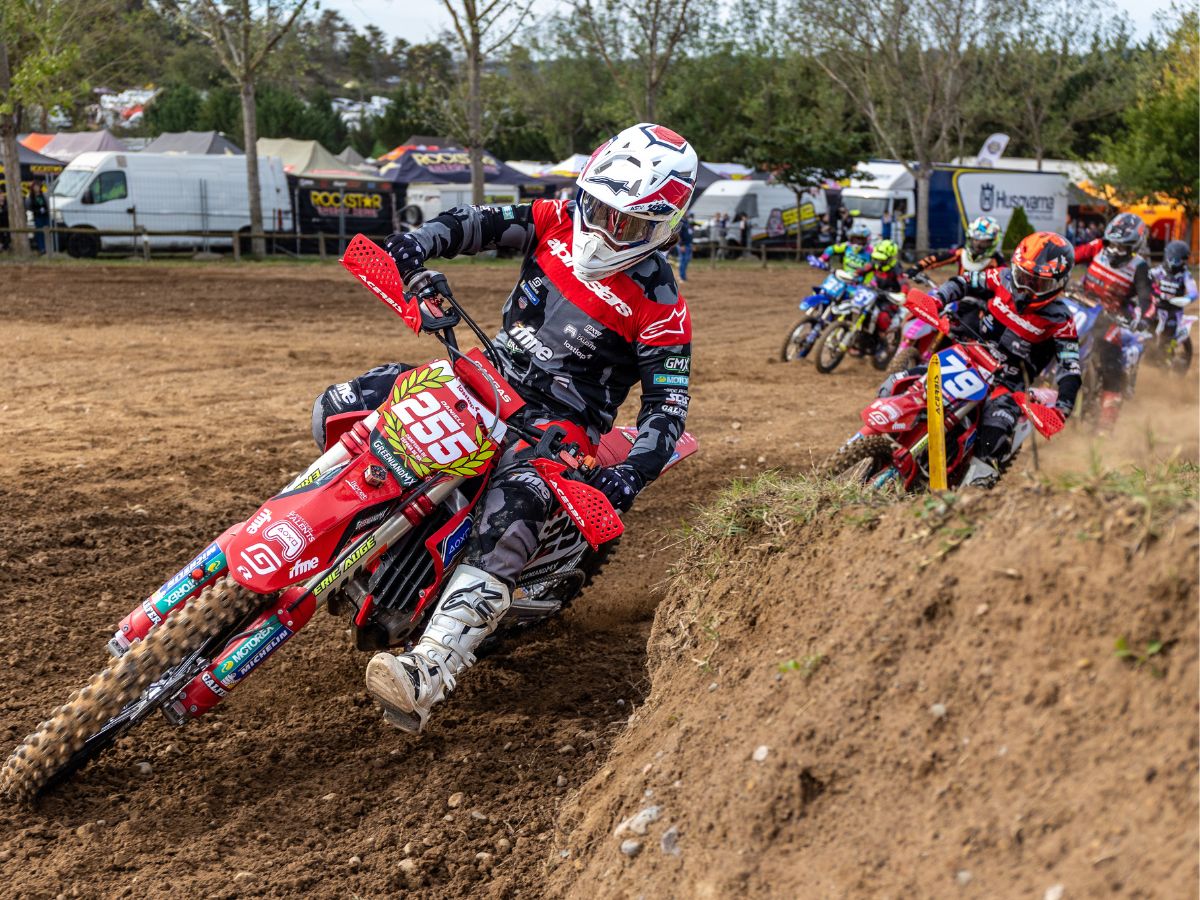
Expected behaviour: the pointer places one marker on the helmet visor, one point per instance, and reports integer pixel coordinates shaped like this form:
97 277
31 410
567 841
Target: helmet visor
858 240
1037 285
620 230
979 246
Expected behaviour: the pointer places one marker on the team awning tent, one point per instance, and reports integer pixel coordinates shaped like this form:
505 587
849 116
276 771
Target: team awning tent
308 159
416 142
193 142
34 165
352 157
66 145
449 165
35 141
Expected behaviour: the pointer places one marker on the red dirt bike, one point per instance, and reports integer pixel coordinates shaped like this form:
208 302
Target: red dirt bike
918 339
371 529
891 449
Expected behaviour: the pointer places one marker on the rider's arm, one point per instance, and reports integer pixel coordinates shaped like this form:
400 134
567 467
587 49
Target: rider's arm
1087 252
937 260
663 345
470 229
833 249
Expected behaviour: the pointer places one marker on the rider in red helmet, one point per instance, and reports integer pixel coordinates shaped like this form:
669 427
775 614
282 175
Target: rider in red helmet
1118 277
1016 312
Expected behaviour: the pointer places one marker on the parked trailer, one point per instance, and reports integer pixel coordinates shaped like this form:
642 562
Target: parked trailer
164 192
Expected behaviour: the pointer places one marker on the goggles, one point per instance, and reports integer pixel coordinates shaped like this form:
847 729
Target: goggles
858 240
979 245
1037 285
620 230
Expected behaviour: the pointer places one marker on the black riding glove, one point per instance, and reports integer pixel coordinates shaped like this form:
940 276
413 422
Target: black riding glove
407 251
620 484
912 271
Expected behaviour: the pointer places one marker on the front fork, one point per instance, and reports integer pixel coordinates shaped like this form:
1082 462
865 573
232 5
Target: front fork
848 336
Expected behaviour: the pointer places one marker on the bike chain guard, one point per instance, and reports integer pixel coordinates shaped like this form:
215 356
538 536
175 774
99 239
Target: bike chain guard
586 506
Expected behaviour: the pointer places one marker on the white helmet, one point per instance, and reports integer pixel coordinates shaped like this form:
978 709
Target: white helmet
633 193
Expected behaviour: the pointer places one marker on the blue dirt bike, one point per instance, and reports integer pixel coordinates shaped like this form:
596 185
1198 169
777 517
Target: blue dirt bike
816 311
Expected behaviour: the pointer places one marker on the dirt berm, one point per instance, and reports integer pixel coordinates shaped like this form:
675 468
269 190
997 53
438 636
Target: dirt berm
912 699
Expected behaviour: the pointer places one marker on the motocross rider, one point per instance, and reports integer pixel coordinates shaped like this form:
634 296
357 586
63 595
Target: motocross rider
855 250
1173 285
1016 312
883 274
1118 277
596 311
981 251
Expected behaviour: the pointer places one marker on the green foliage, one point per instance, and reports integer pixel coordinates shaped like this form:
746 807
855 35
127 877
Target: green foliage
1122 651
220 111
1018 229
174 109
1160 153
806 666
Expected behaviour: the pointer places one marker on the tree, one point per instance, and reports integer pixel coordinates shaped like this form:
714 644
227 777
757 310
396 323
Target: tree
1160 153
1051 81
804 146
638 42
37 48
243 36
904 65
1018 229
482 28
175 109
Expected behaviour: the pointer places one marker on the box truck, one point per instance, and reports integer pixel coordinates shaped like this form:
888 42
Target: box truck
112 191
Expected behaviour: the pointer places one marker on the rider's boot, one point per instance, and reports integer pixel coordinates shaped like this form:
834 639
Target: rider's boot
1110 407
980 473
408 684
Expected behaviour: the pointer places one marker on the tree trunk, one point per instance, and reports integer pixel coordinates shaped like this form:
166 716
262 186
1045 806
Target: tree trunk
924 175
258 246
475 121
10 155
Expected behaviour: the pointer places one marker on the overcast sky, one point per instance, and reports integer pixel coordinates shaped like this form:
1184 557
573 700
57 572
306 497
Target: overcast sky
420 20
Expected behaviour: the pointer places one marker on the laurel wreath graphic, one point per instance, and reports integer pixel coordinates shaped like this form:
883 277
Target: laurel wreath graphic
393 429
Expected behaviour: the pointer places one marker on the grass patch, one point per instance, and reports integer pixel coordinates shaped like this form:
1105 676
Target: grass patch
1122 650
1158 491
807 666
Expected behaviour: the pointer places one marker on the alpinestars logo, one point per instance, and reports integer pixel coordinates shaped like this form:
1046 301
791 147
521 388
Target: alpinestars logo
478 598
560 251
672 324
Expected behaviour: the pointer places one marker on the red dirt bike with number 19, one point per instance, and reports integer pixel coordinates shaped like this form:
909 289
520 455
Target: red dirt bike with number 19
891 449
370 529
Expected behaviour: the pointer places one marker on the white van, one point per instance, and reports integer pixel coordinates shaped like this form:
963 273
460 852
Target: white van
424 201
163 192
882 187
771 208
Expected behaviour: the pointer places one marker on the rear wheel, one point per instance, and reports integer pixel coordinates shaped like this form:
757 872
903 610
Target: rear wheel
794 347
99 713
828 352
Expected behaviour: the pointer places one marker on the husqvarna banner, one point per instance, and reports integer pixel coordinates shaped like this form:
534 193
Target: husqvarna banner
997 194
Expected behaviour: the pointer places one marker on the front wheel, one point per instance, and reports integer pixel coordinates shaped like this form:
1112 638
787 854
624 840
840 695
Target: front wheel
96 715
859 461
796 345
829 352
907 358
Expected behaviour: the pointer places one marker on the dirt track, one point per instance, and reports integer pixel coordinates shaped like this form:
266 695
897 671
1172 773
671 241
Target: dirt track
148 407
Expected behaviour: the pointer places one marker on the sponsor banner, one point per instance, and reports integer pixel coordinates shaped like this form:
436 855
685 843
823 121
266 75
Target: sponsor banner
998 194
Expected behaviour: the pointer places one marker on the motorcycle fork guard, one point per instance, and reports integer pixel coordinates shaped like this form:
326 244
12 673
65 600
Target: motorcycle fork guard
245 652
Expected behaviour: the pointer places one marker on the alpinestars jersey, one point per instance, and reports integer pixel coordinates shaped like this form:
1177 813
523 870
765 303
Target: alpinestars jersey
1123 289
1028 339
575 348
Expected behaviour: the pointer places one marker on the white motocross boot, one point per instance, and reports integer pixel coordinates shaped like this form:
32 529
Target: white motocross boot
980 473
408 684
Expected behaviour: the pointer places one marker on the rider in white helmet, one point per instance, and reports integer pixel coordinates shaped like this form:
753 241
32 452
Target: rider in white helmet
596 312
980 251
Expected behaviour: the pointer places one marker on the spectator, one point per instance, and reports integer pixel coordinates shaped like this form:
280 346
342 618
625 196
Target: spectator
885 226
824 231
721 224
1072 234
842 226
41 214
685 246
742 231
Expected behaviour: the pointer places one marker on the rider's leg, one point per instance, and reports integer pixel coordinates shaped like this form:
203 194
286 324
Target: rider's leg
367 391
1112 383
993 440
473 601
